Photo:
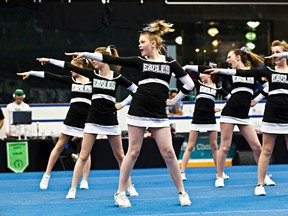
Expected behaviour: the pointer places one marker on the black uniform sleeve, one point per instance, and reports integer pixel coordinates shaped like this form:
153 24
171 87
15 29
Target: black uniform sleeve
176 68
222 92
89 73
134 61
202 68
64 79
253 72
196 83
124 81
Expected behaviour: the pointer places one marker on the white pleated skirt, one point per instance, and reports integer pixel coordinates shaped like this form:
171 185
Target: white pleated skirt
147 122
274 128
204 127
102 129
234 120
72 131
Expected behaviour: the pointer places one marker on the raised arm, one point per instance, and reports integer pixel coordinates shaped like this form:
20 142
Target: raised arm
278 56
122 61
46 75
196 68
62 64
238 72
94 56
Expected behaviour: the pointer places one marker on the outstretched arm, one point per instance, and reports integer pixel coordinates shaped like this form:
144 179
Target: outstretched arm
231 72
26 75
55 62
94 56
46 75
83 71
196 68
278 55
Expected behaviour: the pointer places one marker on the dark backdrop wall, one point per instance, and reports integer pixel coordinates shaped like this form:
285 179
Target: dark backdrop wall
50 28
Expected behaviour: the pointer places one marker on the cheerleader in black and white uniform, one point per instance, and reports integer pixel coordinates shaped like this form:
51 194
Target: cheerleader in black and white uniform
102 117
204 116
148 106
81 90
237 108
275 120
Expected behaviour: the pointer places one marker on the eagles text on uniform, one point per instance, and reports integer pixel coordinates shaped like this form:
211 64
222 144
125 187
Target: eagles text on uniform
163 69
279 78
81 88
104 84
243 79
207 90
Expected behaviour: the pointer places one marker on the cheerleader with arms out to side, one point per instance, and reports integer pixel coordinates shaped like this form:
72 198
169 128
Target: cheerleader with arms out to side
148 106
275 119
102 116
81 90
204 116
237 108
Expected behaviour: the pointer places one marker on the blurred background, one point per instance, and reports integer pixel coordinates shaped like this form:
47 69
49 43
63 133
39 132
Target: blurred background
204 32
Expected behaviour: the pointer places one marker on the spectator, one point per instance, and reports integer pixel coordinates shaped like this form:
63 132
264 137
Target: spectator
175 110
17 105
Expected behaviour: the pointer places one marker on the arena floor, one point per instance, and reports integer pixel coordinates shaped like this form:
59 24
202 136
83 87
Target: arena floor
20 193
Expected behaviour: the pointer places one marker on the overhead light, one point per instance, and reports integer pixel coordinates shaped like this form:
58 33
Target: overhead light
204 51
253 24
197 50
250 45
215 43
250 36
179 40
213 31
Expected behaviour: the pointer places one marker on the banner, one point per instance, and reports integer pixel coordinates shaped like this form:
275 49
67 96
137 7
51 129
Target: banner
17 156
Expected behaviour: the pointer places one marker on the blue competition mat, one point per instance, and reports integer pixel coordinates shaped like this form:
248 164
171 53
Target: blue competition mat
20 193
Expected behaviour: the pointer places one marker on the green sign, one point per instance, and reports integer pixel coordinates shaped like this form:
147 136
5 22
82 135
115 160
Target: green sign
17 156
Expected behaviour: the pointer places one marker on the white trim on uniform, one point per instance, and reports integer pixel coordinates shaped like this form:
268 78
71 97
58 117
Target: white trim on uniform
242 89
103 96
234 120
72 131
205 96
102 129
147 122
204 127
153 80
278 91
83 100
274 128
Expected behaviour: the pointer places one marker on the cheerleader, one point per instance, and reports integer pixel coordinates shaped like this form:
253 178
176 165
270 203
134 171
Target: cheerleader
148 106
237 108
204 116
81 90
102 116
275 119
